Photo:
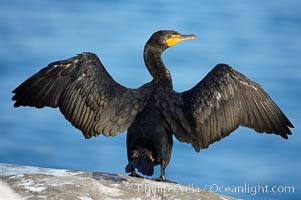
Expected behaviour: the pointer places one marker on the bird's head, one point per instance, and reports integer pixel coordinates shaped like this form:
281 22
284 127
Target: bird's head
166 38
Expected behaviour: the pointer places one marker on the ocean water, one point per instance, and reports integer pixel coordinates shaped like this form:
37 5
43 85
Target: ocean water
261 39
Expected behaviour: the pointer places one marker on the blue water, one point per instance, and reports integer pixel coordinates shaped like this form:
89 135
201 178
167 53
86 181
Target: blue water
259 38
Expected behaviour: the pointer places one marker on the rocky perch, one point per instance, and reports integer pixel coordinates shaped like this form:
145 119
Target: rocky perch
44 183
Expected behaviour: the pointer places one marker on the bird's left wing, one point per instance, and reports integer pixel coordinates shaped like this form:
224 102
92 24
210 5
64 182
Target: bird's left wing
217 105
86 95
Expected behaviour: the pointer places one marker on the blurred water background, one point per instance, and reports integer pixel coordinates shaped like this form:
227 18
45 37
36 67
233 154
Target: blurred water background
259 38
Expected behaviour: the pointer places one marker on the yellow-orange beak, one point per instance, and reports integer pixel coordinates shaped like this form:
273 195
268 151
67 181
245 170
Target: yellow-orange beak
174 39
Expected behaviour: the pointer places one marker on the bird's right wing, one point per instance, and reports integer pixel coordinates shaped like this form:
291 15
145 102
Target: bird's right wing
86 95
217 105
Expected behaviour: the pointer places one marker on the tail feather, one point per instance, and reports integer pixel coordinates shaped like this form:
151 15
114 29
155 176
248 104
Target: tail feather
142 159
144 166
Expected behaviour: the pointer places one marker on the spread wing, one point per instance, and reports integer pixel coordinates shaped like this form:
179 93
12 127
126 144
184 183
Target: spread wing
220 103
86 95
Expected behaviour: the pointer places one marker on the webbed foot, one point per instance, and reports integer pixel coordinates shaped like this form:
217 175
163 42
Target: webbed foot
135 174
163 179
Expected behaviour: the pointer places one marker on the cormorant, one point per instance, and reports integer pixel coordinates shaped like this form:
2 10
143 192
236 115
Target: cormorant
96 104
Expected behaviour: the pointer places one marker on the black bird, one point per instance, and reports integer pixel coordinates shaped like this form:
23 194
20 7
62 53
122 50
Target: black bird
93 102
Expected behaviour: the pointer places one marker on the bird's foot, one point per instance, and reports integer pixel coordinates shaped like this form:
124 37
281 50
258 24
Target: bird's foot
134 174
163 179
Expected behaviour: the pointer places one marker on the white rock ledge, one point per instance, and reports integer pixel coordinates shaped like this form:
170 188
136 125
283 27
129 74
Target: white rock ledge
43 183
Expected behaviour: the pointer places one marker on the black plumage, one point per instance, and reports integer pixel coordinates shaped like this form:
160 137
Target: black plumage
93 102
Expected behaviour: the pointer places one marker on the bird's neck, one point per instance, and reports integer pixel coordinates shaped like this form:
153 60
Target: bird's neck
154 64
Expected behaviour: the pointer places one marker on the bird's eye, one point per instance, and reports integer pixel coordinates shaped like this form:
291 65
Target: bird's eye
169 36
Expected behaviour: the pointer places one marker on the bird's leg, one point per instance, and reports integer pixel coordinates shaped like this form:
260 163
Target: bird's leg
135 174
162 177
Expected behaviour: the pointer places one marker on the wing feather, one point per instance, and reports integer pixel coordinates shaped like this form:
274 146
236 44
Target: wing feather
224 100
86 95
